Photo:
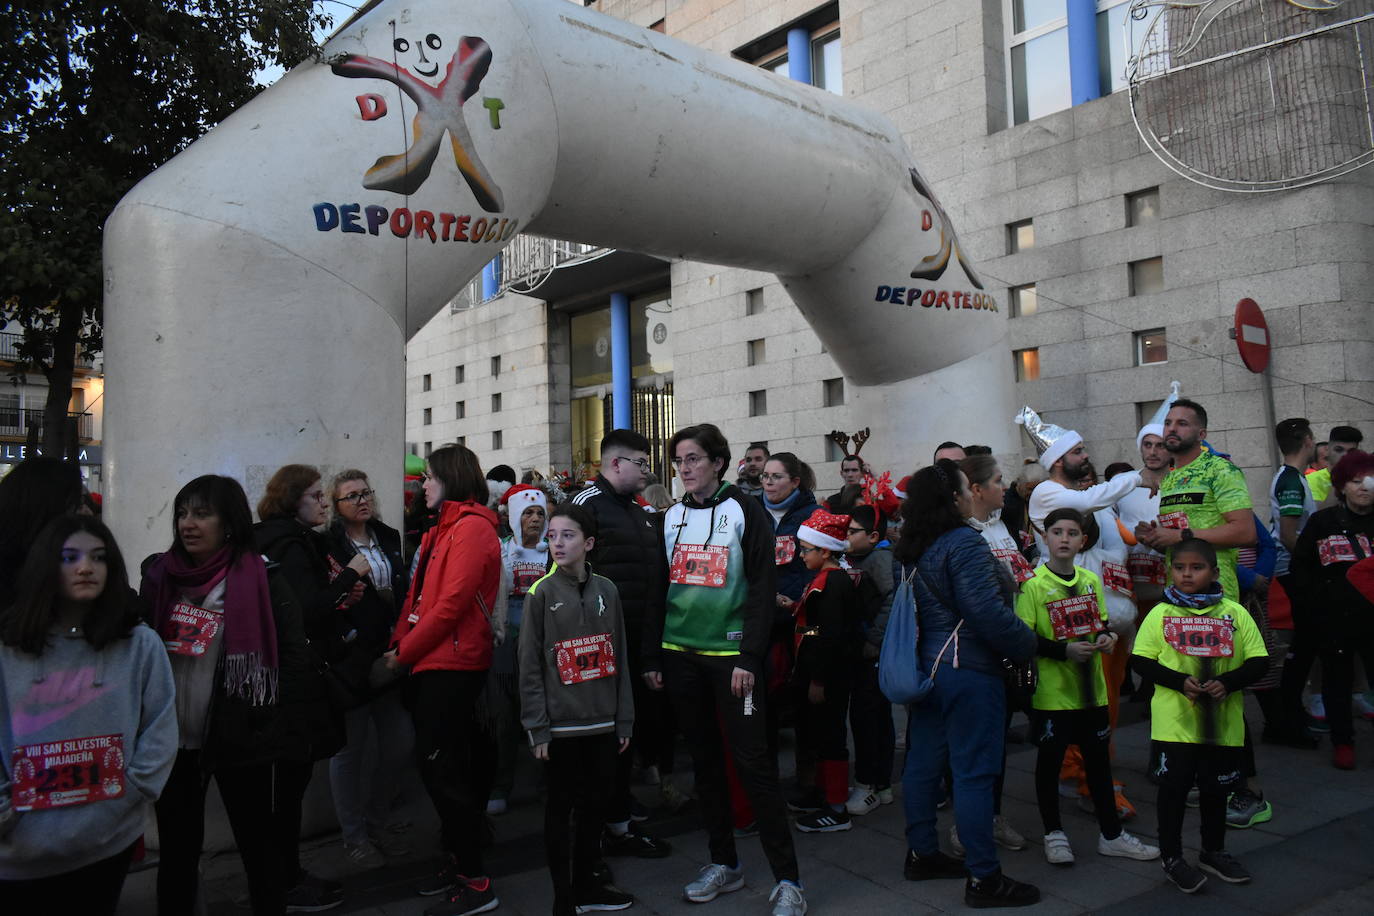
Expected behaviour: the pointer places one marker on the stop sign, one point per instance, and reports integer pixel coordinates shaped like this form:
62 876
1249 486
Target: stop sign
1252 335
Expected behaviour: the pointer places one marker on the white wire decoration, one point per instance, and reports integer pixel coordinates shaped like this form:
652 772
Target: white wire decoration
1255 95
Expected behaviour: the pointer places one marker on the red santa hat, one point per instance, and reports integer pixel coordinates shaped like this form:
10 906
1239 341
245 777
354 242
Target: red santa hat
902 484
823 529
520 497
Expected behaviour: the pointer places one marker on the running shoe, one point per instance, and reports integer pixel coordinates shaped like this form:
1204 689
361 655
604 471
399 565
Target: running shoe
1246 809
934 867
1316 707
827 820
442 881
1184 875
1005 835
862 800
954 843
787 900
712 881
997 890
1364 704
363 855
1126 846
806 800
388 843
1343 756
314 895
1224 865
1194 797
671 798
467 897
496 806
631 843
602 898
885 795
1057 848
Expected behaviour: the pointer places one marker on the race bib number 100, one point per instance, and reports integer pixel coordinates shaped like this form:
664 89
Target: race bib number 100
1076 616
1201 637
57 774
585 658
699 564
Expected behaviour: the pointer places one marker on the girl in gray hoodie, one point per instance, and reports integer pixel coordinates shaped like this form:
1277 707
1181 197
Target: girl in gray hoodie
88 731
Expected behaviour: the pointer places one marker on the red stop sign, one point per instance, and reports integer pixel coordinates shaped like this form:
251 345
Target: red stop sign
1252 335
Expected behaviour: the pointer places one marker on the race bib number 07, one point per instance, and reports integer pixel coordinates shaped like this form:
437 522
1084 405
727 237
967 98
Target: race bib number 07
585 658
59 774
1200 637
1076 616
699 564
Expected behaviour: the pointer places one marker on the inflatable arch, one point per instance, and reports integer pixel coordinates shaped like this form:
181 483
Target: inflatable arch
260 287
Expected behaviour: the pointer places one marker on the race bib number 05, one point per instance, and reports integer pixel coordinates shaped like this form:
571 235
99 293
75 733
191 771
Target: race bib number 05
58 774
585 658
189 630
1076 616
1201 637
699 564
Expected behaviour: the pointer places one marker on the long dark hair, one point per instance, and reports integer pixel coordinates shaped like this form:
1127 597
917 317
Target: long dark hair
457 468
111 616
930 509
224 495
38 490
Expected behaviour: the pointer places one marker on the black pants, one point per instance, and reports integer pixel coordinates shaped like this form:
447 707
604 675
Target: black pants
456 759
92 890
1338 682
1297 664
655 726
248 795
870 719
699 686
1091 729
579 782
1177 767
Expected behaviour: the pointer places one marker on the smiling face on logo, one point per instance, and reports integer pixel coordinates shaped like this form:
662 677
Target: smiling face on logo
419 56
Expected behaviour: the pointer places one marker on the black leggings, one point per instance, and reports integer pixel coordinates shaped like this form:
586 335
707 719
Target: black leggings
1214 769
1338 682
1053 731
92 890
579 783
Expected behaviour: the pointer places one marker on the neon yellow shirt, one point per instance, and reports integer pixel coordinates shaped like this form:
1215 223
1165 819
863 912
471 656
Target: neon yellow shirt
1066 610
1173 717
1198 495
1319 482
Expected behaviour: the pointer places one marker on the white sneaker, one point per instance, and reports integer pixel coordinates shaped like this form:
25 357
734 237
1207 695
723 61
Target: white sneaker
787 900
1364 704
1005 835
1057 848
954 844
885 796
1126 846
1316 707
712 881
862 800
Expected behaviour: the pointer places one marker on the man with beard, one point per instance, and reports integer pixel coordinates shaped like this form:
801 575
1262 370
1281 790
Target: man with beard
750 467
1204 496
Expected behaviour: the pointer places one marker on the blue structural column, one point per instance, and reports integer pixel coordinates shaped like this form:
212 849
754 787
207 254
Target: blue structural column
620 361
1084 77
491 279
799 55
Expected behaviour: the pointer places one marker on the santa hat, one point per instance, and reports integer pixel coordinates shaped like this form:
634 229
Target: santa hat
1156 425
902 484
825 530
520 497
1051 442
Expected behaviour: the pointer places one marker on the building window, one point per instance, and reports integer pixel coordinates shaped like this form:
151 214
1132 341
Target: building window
460 410
1146 276
1020 236
426 383
753 302
758 403
832 390
496 440
1142 207
1038 54
823 26
429 449
1026 363
833 452
1145 411
1151 347
429 415
462 440
756 352
496 403
458 374
826 71
1024 301
495 366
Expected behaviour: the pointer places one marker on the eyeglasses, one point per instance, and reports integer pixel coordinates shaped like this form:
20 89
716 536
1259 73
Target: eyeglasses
853 530
641 463
803 549
358 497
774 478
689 461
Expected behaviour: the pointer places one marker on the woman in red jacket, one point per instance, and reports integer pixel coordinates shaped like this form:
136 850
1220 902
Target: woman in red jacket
444 636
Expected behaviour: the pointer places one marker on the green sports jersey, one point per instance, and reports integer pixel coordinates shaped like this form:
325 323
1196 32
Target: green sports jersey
1169 635
1066 610
1198 496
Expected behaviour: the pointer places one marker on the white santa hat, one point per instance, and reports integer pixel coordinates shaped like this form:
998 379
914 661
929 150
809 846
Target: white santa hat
519 498
1156 425
1051 442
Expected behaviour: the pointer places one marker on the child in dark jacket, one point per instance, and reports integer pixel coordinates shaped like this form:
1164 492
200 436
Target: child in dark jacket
828 640
577 706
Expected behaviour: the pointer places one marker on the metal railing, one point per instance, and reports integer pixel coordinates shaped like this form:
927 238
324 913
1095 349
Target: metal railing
17 423
526 263
9 351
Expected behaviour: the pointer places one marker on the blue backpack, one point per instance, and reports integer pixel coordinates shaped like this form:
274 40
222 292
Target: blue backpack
900 676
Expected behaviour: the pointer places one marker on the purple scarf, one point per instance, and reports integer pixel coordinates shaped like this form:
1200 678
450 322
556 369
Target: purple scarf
250 632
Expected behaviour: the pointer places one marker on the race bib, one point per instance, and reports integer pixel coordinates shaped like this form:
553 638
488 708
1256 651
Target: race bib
784 549
1146 567
699 564
1020 568
1117 578
189 629
1338 548
585 658
1202 637
1027 540
523 575
1076 616
58 774
1176 520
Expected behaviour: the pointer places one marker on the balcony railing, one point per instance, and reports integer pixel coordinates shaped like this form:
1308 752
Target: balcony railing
528 262
16 423
9 351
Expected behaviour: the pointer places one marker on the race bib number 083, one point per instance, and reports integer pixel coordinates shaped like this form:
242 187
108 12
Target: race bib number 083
1200 637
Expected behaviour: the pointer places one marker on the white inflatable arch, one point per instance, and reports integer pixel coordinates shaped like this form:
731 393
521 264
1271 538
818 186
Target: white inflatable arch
260 287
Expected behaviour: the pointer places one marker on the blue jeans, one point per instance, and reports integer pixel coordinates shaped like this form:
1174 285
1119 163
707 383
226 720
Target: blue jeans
962 720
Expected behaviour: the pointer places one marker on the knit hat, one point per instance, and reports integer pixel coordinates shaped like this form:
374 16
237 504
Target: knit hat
823 529
1156 425
1051 442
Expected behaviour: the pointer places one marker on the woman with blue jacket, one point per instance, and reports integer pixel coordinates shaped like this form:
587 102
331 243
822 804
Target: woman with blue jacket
964 602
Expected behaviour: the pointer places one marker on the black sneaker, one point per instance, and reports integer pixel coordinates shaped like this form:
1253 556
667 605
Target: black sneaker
468 896
997 890
635 844
601 873
1188 878
313 895
604 898
440 882
932 867
827 820
806 801
1224 865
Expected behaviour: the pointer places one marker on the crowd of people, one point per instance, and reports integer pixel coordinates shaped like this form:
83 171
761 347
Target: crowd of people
596 629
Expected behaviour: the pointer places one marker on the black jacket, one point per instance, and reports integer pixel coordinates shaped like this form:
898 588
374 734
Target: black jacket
629 552
1329 545
370 607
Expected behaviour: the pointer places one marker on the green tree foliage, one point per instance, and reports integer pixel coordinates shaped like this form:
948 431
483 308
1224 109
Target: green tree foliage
93 97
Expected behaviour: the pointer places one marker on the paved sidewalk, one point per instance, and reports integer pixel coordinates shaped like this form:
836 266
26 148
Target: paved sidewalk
1313 857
